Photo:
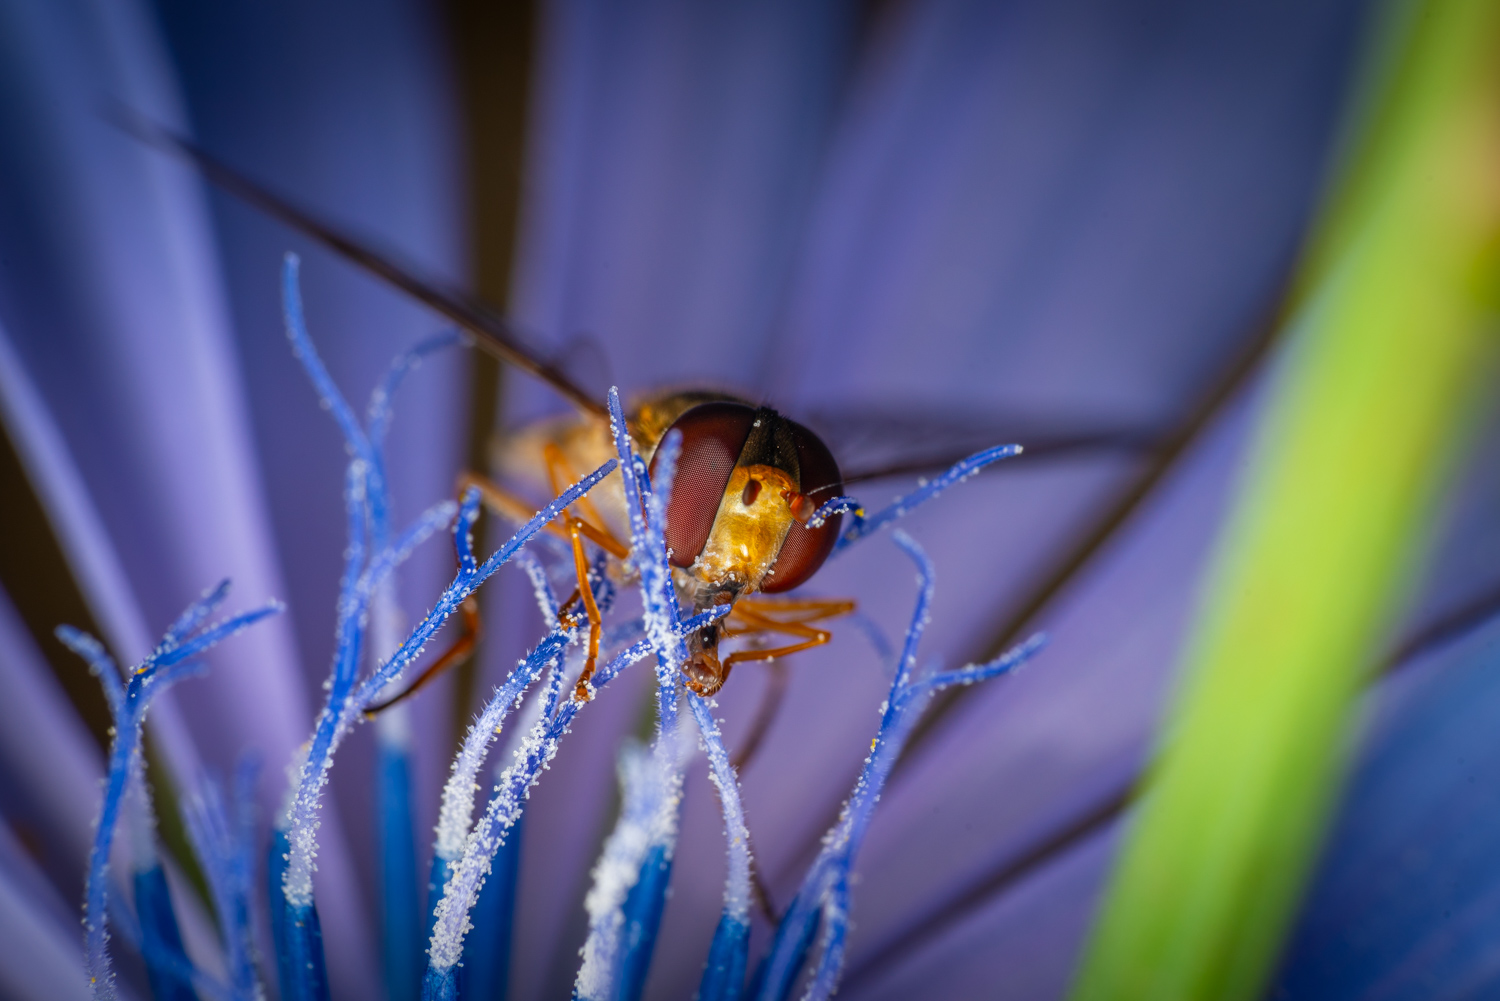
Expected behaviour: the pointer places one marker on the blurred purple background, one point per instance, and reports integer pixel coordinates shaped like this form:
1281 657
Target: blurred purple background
1012 215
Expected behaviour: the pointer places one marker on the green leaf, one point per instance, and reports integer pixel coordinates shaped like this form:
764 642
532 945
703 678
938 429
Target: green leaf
1373 393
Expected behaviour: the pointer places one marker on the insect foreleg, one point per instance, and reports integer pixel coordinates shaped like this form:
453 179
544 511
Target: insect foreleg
750 616
584 690
456 653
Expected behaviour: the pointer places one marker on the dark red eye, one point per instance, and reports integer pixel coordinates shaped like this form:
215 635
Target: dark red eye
713 434
805 548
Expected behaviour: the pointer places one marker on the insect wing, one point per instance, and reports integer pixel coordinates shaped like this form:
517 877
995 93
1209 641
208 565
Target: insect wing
495 334
873 443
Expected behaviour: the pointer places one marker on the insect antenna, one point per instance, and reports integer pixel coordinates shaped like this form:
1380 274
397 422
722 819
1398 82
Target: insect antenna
493 332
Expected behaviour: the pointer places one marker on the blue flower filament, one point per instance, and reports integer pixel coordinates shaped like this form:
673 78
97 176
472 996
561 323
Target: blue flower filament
472 881
170 662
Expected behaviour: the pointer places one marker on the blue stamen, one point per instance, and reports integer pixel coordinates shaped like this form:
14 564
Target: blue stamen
862 526
378 412
193 616
623 932
486 728
500 816
486 966
642 910
649 554
472 889
823 896
541 586
630 880
160 938
400 910
294 920
505 807
277 854
344 704
835 935
101 664
458 792
367 506
724 972
173 967
304 946
224 848
468 581
329 396
724 975
166 665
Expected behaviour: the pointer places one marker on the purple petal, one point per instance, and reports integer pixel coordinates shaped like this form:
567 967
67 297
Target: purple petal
51 765
40 955
117 315
345 108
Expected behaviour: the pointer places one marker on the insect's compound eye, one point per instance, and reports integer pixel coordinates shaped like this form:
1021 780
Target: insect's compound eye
806 548
713 434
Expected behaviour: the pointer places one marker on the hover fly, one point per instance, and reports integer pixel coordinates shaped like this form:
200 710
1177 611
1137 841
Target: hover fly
740 522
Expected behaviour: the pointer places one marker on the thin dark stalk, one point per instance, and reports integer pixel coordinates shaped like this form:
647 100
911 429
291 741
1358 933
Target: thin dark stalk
494 333
1108 518
765 715
1049 447
1111 516
1096 817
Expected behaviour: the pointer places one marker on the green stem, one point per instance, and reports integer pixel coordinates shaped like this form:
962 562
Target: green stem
1370 405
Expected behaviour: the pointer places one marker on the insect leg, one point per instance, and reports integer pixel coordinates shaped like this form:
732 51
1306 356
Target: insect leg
583 692
765 715
504 503
751 615
459 651
565 610
806 610
810 638
513 508
591 524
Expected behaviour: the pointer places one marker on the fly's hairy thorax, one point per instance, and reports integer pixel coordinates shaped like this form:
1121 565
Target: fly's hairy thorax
584 442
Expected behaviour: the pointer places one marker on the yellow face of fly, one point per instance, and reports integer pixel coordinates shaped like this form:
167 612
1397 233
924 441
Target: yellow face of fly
748 531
